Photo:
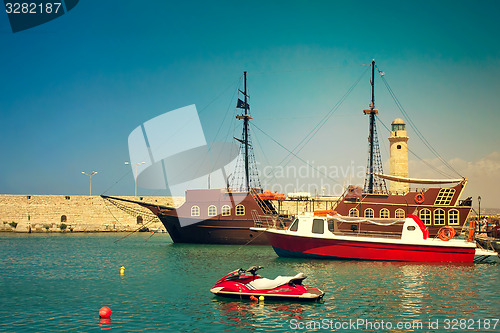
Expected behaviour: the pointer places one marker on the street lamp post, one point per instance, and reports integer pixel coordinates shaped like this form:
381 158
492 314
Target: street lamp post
135 177
90 176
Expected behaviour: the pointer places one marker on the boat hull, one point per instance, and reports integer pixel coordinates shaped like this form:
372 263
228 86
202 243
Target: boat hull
312 294
214 231
309 247
244 211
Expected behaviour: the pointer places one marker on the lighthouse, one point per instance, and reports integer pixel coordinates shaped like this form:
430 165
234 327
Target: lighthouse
399 156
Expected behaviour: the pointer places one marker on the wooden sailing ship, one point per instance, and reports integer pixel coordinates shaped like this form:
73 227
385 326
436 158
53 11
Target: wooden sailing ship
225 215
437 207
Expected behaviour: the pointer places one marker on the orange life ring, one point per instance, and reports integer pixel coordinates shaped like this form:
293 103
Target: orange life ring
446 233
419 198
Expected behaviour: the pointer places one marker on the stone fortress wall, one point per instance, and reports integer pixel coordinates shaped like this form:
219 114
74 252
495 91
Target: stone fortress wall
53 213
80 213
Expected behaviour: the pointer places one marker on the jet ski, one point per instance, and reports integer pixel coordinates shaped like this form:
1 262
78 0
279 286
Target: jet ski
242 283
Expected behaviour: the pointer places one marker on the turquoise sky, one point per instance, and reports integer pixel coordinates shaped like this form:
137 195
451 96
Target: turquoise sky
73 89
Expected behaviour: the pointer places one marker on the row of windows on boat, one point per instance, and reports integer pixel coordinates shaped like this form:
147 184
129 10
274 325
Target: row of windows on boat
438 215
225 210
318 226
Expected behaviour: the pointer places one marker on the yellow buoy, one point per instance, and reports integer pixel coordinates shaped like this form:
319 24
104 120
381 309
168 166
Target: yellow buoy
261 298
122 270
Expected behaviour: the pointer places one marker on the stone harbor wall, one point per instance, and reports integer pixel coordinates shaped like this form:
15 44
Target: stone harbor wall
79 213
67 213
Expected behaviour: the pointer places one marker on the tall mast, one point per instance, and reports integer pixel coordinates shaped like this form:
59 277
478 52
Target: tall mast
372 184
245 132
372 123
245 141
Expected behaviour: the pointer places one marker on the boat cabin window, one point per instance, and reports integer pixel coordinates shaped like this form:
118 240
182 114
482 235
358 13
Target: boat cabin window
195 211
318 226
226 210
384 213
353 212
331 225
212 210
400 214
295 225
240 210
444 196
453 217
425 216
439 217
369 213
410 228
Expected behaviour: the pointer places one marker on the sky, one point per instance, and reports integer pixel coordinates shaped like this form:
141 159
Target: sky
73 89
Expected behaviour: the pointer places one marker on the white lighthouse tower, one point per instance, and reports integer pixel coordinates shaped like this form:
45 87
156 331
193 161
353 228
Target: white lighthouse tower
399 156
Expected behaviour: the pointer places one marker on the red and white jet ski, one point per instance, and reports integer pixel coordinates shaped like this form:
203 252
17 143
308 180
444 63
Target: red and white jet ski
246 283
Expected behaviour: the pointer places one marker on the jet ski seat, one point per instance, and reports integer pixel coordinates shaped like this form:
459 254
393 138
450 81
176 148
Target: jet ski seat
265 283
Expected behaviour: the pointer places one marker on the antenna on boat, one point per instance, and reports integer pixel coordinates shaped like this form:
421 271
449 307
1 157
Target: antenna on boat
373 184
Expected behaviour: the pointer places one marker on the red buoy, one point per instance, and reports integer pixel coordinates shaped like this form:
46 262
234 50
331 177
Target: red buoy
105 312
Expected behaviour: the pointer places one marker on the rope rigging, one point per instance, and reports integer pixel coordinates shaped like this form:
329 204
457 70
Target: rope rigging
418 157
294 155
322 122
298 148
412 124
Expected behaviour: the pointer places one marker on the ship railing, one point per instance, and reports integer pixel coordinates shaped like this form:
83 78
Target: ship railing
267 221
263 205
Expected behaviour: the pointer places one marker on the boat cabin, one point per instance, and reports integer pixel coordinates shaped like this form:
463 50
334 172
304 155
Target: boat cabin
309 225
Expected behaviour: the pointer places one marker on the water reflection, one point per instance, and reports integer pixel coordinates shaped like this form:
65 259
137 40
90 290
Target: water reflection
105 324
269 314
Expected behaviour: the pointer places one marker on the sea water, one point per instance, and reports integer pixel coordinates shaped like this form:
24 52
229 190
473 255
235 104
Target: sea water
58 283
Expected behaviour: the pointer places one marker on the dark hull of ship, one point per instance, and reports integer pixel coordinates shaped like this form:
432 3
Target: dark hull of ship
204 220
213 231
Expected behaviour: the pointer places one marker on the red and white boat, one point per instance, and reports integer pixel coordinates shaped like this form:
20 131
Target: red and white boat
311 236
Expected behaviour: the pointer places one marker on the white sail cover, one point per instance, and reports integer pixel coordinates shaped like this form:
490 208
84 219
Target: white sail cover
419 180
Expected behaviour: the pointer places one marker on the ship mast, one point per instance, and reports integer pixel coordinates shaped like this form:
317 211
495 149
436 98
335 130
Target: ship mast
250 173
373 184
245 131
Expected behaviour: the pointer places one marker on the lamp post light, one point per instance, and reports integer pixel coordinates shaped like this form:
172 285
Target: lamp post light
135 177
90 175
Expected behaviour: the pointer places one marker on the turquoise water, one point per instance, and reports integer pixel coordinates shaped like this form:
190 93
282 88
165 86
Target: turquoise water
58 283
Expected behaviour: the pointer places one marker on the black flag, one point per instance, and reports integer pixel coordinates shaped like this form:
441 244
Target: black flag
242 105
